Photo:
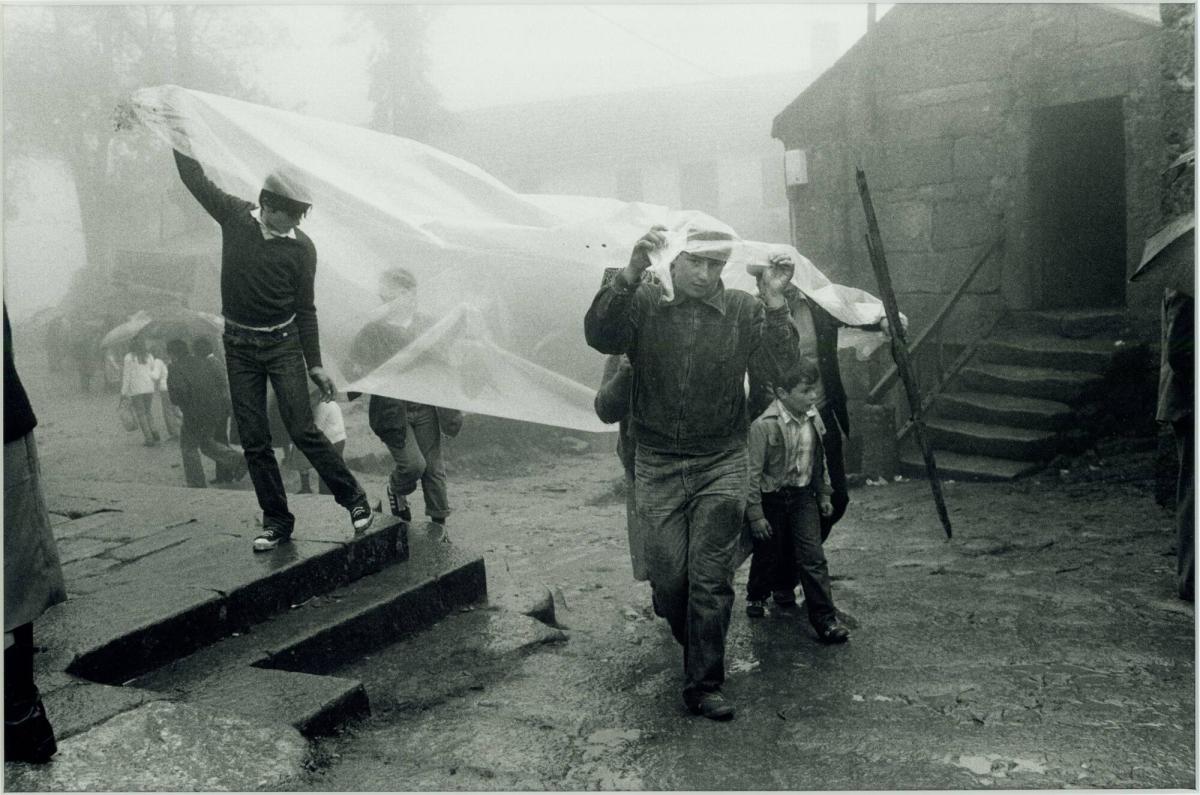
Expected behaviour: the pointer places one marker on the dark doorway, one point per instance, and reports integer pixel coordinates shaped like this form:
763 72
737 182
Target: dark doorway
1077 181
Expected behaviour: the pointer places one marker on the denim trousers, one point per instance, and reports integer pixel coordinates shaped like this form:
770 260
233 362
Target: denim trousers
794 546
691 510
420 461
251 359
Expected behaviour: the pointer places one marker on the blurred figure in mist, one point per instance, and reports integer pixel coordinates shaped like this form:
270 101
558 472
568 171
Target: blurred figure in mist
202 405
171 414
56 347
84 343
213 368
411 431
33 579
141 373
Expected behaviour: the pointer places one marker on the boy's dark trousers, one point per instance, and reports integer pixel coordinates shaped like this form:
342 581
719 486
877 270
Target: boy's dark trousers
795 520
252 358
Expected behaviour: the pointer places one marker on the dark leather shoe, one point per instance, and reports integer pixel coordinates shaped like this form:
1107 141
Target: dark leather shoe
833 632
29 738
713 706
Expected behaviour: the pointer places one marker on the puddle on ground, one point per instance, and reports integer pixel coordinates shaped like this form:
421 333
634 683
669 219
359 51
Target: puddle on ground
996 765
614 737
742 666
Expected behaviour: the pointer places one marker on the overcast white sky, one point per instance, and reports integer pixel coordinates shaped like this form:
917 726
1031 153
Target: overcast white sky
491 54
479 55
501 53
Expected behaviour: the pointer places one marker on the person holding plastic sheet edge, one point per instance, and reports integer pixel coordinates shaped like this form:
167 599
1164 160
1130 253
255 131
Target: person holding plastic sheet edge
411 431
690 355
268 268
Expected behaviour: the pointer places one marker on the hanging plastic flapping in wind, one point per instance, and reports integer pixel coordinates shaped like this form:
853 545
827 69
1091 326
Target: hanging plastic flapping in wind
497 282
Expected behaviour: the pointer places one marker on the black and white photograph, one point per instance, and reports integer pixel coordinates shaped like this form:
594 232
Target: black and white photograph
598 397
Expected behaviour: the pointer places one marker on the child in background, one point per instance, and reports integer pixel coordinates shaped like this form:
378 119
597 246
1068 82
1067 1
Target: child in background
328 417
789 491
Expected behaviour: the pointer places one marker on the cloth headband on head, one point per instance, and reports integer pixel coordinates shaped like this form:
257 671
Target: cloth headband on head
709 245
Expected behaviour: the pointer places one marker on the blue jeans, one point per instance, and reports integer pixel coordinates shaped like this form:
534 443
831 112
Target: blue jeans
691 508
251 358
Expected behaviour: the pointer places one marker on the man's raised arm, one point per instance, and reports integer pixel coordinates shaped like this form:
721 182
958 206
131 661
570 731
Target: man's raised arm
776 346
608 325
216 202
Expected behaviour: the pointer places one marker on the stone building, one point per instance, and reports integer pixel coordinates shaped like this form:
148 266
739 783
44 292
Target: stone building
1038 126
1038 122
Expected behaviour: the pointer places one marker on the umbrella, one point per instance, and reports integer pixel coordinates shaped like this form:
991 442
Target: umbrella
165 324
1175 243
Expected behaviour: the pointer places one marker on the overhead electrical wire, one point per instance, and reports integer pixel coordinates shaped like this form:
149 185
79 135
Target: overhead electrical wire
655 44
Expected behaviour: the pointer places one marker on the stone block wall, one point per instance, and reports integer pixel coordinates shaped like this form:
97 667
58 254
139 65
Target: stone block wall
946 147
937 107
1178 102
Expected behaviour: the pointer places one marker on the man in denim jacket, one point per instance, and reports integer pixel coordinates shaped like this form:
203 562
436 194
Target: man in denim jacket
690 357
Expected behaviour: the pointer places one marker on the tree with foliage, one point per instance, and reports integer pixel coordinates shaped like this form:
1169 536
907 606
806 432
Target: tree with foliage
406 102
65 70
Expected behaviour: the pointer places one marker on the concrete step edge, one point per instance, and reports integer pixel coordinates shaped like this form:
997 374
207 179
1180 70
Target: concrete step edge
1016 403
1016 372
382 622
279 671
980 430
313 705
967 467
171 637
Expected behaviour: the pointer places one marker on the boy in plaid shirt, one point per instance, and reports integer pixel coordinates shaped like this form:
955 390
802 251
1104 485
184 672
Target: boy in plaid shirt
789 492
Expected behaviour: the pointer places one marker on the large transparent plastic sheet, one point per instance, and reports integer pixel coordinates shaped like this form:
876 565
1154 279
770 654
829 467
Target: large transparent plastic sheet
504 278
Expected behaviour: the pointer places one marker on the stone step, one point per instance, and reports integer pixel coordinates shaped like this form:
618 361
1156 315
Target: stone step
1013 346
998 441
313 705
1073 323
1065 386
211 589
996 409
321 635
957 466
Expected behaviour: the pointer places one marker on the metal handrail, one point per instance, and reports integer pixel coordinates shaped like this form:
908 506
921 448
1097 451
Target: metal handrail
877 392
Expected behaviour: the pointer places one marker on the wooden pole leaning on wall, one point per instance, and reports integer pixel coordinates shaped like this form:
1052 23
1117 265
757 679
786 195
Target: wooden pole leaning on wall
900 347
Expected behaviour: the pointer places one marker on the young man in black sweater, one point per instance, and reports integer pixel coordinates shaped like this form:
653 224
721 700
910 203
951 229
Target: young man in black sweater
268 267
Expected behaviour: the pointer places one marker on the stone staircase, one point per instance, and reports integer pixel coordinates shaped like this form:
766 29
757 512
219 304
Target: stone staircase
1021 400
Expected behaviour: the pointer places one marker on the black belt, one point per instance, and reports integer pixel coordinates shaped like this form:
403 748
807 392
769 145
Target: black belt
246 332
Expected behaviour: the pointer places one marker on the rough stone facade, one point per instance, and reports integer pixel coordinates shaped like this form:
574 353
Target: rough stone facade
937 106
1179 102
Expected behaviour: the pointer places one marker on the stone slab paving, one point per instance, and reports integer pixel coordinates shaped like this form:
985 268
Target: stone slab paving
152 573
165 746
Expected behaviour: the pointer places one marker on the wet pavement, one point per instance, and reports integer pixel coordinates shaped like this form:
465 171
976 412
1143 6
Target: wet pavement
1041 648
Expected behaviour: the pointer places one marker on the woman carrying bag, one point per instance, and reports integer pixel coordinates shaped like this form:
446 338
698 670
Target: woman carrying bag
140 376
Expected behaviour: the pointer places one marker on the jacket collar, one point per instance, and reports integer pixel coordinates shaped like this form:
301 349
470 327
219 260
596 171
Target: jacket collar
715 299
267 232
780 412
